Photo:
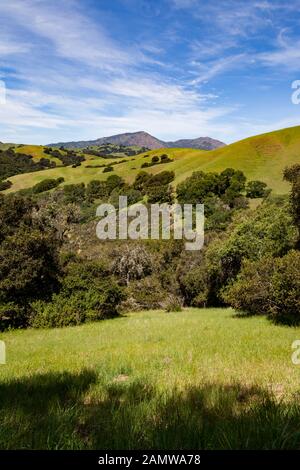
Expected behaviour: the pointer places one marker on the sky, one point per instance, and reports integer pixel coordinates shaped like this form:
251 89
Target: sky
84 69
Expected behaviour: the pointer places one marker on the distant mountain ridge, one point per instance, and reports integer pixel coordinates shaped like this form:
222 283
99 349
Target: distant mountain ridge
143 139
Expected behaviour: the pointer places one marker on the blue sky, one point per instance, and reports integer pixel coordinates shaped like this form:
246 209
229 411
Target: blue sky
82 69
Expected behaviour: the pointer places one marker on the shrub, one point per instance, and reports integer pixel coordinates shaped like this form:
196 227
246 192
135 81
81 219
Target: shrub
265 232
107 169
96 190
255 189
285 289
292 174
133 195
113 182
155 159
194 285
5 185
173 303
132 261
160 179
29 265
29 270
79 307
269 286
15 210
87 293
165 159
147 293
12 315
141 180
229 184
250 292
160 194
46 185
74 193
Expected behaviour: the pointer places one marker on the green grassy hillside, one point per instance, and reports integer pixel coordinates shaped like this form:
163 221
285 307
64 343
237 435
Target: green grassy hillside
194 379
261 157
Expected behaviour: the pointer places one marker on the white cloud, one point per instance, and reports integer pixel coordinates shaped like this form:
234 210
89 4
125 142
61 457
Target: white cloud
207 71
73 35
287 53
9 47
145 92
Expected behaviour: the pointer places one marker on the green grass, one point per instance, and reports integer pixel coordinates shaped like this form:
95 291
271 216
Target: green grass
261 157
194 379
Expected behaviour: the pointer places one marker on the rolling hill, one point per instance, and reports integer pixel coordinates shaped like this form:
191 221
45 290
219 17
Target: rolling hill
260 157
143 139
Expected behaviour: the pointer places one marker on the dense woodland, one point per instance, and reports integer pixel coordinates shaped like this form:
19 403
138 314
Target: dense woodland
55 272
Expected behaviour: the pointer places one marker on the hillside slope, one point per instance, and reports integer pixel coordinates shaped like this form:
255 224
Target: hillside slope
261 157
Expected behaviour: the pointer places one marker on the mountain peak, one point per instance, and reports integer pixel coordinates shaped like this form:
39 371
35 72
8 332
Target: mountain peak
144 139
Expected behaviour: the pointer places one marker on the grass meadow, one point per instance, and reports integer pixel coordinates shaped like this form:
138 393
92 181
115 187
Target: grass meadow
196 379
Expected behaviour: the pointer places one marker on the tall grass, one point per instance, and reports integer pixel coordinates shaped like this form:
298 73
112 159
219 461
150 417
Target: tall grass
192 379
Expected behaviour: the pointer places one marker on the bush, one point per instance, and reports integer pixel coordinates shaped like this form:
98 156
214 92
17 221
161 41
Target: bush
29 270
46 185
15 210
250 292
12 315
255 189
292 174
160 194
229 184
88 293
133 195
285 290
132 261
96 190
155 159
265 232
147 293
5 185
269 286
107 169
160 179
194 284
173 304
74 193
113 182
141 180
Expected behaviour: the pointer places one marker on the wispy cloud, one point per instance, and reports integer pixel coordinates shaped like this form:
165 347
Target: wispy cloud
207 71
73 71
72 34
286 53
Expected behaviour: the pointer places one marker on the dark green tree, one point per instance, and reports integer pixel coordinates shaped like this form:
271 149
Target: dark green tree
292 175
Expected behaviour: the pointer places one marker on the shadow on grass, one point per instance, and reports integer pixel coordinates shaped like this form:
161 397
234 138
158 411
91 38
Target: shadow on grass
38 412
207 417
64 411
